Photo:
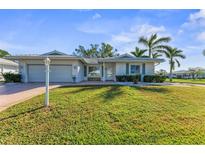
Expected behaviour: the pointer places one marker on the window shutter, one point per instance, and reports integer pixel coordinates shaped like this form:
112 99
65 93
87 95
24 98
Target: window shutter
85 71
102 71
127 69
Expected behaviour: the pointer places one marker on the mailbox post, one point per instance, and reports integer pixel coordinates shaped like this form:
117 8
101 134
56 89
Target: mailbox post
47 63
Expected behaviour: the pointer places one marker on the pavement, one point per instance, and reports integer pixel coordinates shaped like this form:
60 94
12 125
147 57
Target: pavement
14 93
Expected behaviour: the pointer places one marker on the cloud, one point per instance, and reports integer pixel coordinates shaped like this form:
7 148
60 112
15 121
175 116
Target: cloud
136 31
180 31
201 36
127 41
196 19
197 16
96 16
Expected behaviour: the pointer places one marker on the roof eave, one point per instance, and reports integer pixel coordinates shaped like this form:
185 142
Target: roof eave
40 57
133 60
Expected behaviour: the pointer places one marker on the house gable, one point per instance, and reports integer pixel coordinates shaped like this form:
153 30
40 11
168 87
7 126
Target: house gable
55 52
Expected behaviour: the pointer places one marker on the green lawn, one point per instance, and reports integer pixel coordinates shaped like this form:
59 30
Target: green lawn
196 81
109 115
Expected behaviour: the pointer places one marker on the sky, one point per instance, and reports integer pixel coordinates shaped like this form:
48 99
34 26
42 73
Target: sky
41 31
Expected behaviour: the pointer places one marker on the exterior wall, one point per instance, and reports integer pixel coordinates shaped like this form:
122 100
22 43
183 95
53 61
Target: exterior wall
23 71
81 72
120 68
77 67
149 68
8 68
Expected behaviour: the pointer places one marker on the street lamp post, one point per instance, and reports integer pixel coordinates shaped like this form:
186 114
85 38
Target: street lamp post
47 63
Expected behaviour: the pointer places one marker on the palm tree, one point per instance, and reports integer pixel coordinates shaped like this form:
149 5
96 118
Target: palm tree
139 52
172 54
153 43
156 55
204 52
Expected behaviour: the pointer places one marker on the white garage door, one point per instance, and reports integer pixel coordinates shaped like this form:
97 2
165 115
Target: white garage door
58 73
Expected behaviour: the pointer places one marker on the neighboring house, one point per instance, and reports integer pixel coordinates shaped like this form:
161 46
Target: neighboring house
7 66
64 68
187 74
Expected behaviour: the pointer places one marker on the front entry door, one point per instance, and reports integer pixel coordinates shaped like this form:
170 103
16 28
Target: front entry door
109 72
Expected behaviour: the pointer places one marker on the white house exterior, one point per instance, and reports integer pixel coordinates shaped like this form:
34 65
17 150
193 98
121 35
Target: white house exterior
7 66
66 68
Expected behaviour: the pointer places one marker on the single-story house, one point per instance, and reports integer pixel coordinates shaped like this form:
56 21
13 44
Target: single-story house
188 74
7 66
64 68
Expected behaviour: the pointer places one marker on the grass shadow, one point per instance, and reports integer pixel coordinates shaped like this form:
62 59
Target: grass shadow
111 93
82 88
155 89
22 113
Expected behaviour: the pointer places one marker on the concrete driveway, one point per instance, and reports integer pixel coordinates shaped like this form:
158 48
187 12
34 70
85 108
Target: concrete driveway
13 93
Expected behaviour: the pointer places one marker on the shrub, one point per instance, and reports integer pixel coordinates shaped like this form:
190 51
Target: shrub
94 79
136 81
12 77
128 78
154 78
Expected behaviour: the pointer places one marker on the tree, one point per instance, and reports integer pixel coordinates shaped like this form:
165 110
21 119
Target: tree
139 52
105 50
161 72
154 44
204 52
91 52
173 54
3 53
156 55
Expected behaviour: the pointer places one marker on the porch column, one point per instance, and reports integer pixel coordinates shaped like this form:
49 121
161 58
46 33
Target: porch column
143 72
103 78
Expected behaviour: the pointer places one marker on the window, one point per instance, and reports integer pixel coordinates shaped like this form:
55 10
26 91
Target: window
135 69
94 71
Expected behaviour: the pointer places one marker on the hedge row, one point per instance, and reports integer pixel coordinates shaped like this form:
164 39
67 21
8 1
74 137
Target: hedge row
128 78
12 77
154 78
136 78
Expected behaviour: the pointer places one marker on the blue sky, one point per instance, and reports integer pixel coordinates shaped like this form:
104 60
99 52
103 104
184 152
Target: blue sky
40 31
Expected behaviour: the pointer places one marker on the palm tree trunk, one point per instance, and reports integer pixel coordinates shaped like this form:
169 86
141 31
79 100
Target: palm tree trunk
170 73
150 53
